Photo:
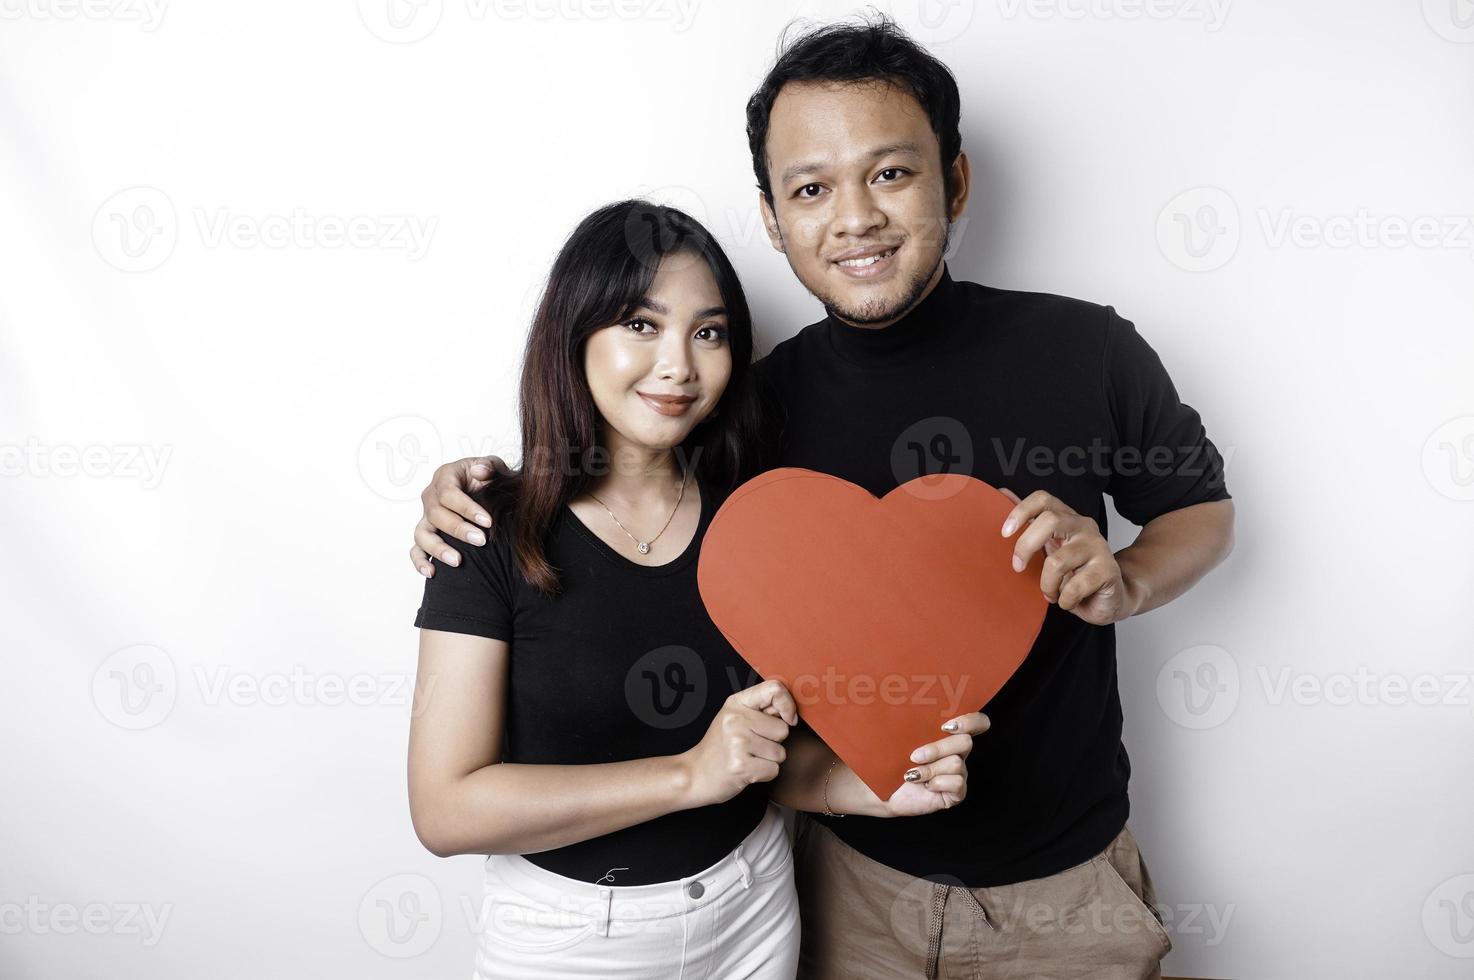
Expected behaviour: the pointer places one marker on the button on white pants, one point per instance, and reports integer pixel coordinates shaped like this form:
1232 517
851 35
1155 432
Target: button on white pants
736 919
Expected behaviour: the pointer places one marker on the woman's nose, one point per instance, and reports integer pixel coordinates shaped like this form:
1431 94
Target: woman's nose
675 359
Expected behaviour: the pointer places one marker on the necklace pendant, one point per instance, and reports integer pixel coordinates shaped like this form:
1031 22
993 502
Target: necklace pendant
644 547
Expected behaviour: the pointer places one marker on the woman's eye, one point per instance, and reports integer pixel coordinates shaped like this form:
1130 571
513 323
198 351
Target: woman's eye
712 333
636 322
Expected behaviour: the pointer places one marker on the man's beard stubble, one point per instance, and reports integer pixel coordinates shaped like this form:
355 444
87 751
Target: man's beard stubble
879 311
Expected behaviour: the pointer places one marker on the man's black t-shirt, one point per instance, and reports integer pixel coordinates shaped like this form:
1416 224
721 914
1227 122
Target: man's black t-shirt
1028 391
624 664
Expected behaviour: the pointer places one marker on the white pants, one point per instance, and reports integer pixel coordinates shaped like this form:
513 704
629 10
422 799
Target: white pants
737 919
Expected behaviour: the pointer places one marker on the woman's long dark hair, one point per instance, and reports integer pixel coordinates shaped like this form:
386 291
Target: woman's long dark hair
601 273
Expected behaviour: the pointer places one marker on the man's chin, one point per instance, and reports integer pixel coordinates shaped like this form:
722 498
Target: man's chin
866 315
868 304
864 306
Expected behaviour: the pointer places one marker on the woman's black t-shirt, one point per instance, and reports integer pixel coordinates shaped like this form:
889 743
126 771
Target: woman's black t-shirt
623 664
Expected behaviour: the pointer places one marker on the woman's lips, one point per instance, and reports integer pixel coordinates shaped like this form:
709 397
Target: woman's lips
671 405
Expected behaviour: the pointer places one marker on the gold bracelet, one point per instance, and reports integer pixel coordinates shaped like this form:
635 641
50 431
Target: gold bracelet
828 812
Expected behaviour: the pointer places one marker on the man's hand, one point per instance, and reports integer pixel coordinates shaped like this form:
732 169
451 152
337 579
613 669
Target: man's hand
449 508
940 779
1081 574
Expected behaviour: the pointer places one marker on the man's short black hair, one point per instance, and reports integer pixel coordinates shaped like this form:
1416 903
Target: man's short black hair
874 50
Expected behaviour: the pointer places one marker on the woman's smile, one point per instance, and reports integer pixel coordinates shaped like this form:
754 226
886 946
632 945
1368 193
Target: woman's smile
671 405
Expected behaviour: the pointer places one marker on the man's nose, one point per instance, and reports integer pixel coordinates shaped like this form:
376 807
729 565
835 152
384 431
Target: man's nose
856 213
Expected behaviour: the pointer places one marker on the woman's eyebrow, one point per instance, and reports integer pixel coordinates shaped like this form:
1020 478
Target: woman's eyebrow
663 310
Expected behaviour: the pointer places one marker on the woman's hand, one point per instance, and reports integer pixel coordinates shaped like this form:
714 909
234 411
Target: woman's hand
941 771
742 746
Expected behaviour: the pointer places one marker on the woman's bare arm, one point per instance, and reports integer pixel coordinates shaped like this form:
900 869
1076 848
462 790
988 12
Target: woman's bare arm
465 800
800 785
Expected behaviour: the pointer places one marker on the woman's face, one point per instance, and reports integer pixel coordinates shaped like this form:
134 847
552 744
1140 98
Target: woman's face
661 370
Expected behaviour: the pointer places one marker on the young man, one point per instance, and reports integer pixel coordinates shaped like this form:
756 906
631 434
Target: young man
855 144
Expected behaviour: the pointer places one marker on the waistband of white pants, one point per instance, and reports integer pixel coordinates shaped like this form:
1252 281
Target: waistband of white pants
603 903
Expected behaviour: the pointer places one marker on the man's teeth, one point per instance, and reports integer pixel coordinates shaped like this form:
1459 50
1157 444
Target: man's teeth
868 260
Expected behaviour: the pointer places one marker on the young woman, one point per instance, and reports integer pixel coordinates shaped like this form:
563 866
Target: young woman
578 717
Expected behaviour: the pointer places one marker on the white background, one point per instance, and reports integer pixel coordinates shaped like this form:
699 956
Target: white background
213 437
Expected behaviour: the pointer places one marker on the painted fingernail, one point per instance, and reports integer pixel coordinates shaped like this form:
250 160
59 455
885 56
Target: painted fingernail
919 755
912 775
450 558
1018 564
483 520
950 726
1008 527
476 536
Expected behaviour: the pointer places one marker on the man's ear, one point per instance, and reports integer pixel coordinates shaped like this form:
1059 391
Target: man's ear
770 221
961 186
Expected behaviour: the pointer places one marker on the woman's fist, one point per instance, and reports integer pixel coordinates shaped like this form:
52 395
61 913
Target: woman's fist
743 744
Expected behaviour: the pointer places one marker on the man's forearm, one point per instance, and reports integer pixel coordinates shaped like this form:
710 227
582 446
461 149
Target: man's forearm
1172 552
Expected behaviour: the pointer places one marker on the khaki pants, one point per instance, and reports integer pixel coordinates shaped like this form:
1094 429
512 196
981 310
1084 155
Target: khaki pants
864 919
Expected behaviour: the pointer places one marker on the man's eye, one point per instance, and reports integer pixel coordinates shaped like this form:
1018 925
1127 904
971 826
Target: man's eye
893 170
806 187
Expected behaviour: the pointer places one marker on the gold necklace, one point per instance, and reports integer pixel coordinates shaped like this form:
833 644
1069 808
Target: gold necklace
644 546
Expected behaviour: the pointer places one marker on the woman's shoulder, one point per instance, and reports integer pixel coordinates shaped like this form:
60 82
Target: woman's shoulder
495 556
508 553
484 585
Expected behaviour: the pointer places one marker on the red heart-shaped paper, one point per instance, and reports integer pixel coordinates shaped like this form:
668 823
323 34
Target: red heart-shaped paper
883 617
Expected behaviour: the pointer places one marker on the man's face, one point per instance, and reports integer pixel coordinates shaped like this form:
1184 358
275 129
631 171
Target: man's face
855 171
